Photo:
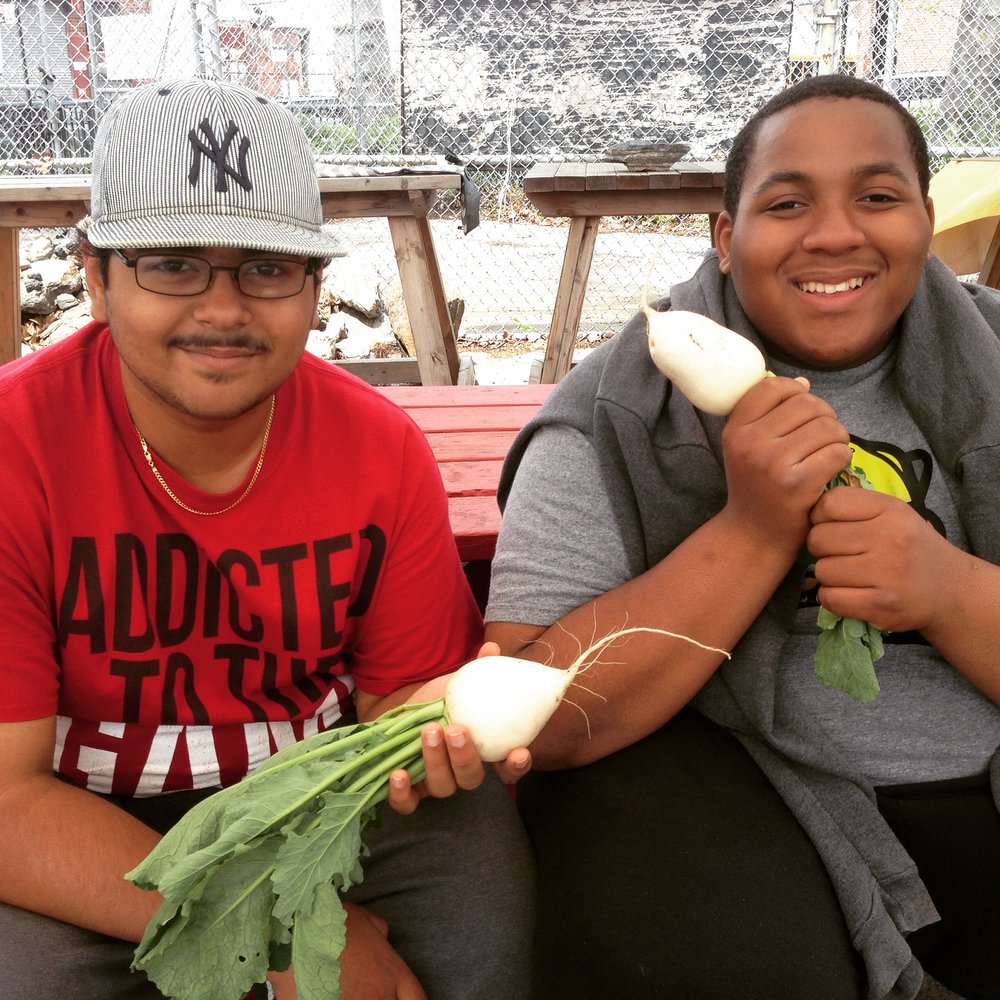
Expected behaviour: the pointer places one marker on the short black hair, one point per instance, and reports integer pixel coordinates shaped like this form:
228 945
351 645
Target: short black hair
818 86
103 254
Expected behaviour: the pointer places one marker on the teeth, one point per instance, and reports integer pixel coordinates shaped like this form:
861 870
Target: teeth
843 286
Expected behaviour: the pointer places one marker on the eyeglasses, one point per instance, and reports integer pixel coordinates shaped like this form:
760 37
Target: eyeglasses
182 274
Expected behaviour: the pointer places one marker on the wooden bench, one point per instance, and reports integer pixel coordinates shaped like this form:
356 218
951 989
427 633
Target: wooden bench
584 193
403 199
469 429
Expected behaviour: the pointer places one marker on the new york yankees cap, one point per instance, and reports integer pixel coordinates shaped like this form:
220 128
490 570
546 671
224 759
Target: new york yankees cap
204 163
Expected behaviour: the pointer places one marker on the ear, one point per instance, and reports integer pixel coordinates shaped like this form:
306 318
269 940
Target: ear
929 207
96 289
724 240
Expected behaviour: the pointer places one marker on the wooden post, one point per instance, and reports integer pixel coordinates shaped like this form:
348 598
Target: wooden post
10 295
990 274
426 302
569 297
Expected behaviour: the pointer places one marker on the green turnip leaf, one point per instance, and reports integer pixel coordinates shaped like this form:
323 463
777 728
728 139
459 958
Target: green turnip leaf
319 939
845 657
327 852
251 875
226 924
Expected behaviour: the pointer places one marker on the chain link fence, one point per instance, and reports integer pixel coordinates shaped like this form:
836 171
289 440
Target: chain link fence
500 85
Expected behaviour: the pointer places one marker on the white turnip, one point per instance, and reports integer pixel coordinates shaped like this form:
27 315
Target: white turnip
504 702
712 365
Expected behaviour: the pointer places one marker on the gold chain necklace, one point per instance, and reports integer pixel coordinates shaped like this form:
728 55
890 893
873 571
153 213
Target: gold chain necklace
209 513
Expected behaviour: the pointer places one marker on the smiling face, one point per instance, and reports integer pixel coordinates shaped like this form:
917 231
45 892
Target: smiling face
830 234
213 356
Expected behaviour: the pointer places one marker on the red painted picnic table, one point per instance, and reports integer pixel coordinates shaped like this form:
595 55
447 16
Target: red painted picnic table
470 428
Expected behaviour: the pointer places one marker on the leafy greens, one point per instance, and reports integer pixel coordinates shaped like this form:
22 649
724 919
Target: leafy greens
251 876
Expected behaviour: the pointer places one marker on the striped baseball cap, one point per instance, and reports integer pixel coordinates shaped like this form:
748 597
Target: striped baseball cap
204 163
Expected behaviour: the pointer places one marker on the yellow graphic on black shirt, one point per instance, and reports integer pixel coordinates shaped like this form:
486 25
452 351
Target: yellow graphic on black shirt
898 473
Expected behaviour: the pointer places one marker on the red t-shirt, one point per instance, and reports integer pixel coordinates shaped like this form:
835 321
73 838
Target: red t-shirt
179 650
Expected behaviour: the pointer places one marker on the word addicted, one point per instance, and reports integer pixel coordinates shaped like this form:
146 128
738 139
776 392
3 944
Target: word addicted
132 600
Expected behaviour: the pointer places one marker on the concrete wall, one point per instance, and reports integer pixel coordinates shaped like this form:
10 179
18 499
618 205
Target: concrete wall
540 77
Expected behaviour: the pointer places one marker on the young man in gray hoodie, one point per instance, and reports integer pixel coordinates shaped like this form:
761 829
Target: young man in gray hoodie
721 828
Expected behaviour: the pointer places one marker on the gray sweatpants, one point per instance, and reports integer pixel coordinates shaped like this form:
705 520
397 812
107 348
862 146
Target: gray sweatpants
454 881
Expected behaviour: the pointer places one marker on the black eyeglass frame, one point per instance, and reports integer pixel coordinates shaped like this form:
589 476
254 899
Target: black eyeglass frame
311 266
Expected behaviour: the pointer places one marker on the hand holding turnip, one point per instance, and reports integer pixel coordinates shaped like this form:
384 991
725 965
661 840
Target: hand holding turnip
779 440
451 759
781 446
879 560
791 449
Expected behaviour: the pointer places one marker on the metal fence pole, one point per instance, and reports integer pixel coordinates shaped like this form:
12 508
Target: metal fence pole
206 34
828 30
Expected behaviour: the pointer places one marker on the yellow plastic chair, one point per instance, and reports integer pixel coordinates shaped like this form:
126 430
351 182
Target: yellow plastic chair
966 194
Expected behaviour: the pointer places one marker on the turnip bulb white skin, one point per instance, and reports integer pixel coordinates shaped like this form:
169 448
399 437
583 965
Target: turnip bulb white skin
504 702
712 365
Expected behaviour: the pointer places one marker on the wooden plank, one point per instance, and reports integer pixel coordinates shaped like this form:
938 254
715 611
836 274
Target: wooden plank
391 182
10 296
696 174
633 180
470 446
471 478
475 523
466 395
664 179
420 202
63 201
374 204
541 177
75 187
604 176
359 204
571 177
384 371
472 418
41 214
569 297
581 204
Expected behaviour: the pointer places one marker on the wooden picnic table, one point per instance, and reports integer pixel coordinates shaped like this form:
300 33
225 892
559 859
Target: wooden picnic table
584 193
403 199
470 428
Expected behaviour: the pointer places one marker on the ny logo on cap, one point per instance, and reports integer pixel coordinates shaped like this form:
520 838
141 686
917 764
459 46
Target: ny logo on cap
218 153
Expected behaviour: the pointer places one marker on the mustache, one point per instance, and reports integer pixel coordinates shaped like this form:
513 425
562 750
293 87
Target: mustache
207 341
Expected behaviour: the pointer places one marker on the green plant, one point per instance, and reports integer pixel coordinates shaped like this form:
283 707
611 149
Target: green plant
330 138
384 135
